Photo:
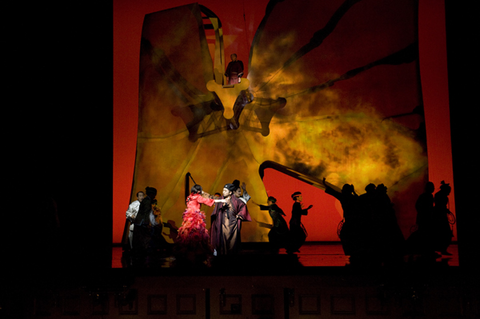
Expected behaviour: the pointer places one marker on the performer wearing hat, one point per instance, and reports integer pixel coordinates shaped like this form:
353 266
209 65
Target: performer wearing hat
298 233
278 235
227 218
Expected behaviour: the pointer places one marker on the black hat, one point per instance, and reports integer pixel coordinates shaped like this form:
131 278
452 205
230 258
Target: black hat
151 190
230 187
296 194
272 199
236 183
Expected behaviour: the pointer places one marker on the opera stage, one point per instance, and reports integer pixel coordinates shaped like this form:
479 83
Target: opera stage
311 255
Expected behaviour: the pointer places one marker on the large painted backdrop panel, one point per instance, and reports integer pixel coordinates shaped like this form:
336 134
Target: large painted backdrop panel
331 89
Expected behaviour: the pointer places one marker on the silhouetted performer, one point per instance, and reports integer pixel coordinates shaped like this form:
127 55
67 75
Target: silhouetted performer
390 241
234 70
279 233
420 241
350 231
298 233
365 238
227 218
441 231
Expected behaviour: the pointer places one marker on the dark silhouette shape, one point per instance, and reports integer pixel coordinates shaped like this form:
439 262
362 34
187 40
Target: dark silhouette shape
390 243
278 236
349 201
298 233
441 231
420 240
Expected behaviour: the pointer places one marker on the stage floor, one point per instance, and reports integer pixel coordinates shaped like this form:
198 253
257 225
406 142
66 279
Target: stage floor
311 255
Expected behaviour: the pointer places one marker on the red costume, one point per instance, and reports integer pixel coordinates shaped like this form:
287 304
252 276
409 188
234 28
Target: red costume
193 242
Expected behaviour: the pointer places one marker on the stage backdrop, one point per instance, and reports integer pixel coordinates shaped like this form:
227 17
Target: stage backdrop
331 89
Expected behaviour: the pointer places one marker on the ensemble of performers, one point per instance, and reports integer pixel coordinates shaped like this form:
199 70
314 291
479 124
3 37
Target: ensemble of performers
369 229
370 234
193 242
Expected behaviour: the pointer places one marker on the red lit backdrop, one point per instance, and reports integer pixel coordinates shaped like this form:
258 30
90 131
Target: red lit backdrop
302 134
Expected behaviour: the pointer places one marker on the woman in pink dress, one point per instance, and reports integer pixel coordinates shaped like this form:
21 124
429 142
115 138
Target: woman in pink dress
192 244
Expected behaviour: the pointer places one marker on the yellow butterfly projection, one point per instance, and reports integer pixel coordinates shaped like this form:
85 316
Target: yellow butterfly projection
332 91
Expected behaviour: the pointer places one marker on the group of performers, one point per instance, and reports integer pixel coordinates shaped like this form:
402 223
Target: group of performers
193 242
433 230
369 227
370 232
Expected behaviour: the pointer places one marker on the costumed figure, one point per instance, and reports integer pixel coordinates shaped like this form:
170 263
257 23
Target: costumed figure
131 214
227 218
390 244
241 192
349 201
234 70
278 235
192 243
298 233
142 234
420 240
441 231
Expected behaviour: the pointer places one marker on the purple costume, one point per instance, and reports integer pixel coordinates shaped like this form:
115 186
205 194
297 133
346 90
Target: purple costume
226 226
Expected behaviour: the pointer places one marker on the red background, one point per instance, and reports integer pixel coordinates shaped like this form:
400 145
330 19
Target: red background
128 19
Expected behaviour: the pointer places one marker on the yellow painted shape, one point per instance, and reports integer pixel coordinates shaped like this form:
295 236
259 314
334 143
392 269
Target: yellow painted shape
228 95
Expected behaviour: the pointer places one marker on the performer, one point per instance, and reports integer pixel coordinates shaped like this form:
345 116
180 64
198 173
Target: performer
441 231
142 234
234 70
298 233
227 218
420 241
192 243
129 225
350 233
241 192
279 234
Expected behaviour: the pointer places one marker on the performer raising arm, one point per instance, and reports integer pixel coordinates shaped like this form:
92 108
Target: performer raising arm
192 243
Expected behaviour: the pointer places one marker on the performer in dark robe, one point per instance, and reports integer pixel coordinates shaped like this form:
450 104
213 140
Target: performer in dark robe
420 241
349 201
148 226
441 231
234 70
390 244
298 233
227 218
142 232
278 235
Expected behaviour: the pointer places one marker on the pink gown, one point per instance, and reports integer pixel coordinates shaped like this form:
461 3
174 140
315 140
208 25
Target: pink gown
193 242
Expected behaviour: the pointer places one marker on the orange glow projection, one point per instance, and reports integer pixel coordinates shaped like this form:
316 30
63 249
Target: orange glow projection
332 91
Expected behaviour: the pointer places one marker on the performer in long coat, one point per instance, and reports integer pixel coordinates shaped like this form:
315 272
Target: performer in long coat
142 229
227 221
279 235
298 233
